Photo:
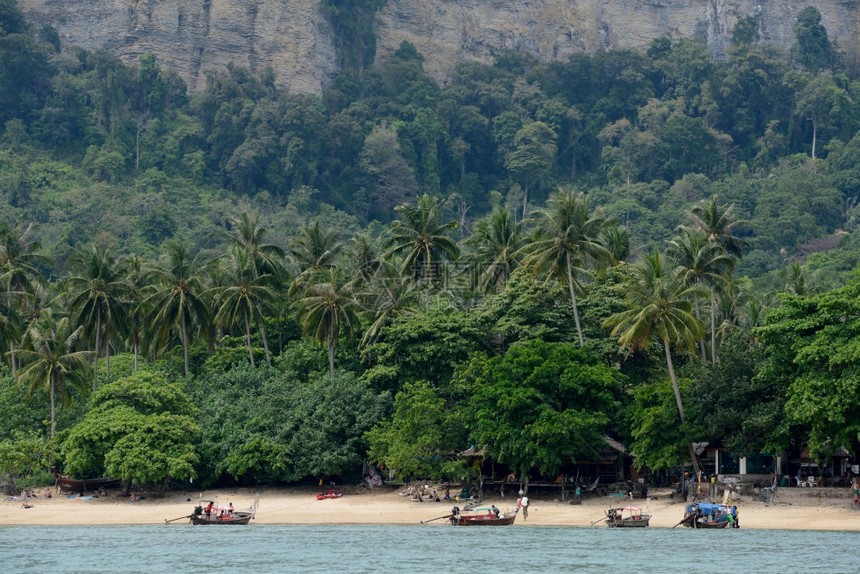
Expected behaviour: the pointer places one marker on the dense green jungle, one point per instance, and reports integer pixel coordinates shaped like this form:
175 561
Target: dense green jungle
249 286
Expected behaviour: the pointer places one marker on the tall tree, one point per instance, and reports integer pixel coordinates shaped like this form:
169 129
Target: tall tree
826 105
21 262
315 248
813 49
718 223
497 243
50 361
567 237
138 275
265 259
99 298
242 295
539 404
386 296
658 308
328 307
422 241
700 262
532 156
177 301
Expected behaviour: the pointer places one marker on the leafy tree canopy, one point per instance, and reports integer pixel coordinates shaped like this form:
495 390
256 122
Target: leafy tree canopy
140 428
812 345
540 405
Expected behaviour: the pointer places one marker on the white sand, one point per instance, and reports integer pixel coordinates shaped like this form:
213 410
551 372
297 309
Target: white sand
386 506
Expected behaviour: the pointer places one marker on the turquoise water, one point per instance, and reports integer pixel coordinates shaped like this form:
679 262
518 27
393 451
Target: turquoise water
262 549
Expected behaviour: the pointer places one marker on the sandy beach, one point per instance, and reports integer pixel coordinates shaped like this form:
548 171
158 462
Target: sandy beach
387 506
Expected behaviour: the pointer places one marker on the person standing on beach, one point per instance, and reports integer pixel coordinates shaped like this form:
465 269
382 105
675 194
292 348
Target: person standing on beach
524 504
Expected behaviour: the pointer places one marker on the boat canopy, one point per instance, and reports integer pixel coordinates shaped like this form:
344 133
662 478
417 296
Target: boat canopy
707 508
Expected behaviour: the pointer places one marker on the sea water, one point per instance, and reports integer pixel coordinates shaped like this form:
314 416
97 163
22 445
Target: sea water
433 548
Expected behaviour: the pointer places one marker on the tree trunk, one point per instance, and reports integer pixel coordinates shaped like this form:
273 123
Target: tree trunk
690 449
248 336
713 328
331 354
526 198
13 361
107 357
262 323
184 335
674 380
11 343
814 133
53 409
96 354
702 342
135 336
573 300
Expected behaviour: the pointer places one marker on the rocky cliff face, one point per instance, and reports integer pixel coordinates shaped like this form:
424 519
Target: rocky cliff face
291 36
294 38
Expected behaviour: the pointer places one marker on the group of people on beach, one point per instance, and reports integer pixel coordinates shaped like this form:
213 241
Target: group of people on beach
26 495
424 492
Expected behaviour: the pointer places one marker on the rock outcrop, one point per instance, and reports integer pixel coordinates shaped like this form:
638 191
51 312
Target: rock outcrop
294 38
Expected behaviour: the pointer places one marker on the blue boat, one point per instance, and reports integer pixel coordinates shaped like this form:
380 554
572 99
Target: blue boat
707 515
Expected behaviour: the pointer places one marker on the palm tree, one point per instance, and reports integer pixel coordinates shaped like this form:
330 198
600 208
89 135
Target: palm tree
327 308
20 261
718 223
266 259
497 243
99 299
51 360
10 326
315 247
242 295
364 254
658 308
421 240
567 236
701 261
177 300
139 276
388 294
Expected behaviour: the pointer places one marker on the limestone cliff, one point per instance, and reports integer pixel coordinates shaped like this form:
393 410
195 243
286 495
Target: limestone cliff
294 38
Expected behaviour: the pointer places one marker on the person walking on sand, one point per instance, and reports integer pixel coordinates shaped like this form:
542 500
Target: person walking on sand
524 505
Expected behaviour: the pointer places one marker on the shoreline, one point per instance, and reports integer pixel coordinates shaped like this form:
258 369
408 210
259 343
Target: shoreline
386 506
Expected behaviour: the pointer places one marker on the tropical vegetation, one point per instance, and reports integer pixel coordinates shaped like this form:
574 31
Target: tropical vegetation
245 285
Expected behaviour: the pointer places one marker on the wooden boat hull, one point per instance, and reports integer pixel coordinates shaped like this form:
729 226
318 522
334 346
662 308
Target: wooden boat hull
479 521
707 515
68 484
84 485
696 524
627 517
237 518
628 523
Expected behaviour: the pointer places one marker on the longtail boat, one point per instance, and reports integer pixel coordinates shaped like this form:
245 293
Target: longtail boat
481 516
68 484
705 515
222 515
627 517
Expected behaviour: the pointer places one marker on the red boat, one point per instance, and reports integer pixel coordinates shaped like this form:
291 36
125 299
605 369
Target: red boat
329 494
482 516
